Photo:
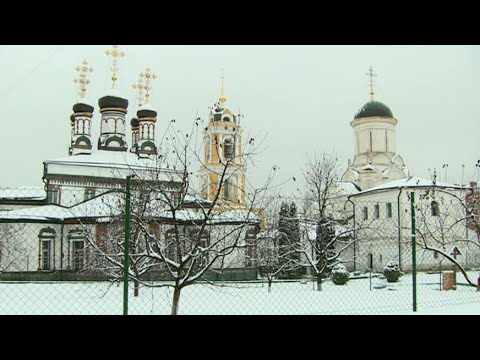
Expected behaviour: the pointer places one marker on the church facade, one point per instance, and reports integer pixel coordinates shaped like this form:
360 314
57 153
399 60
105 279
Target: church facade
85 192
375 195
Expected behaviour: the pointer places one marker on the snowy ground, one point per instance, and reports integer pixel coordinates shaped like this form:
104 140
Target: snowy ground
359 296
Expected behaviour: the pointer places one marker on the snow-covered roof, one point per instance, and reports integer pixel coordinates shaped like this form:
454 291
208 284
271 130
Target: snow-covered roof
346 187
108 163
410 182
99 207
111 204
229 216
192 199
104 158
269 234
23 193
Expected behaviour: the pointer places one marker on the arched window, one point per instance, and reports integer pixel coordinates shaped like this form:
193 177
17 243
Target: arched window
228 149
134 137
46 239
365 213
83 126
434 208
208 147
204 188
170 245
251 247
77 249
150 132
200 241
228 188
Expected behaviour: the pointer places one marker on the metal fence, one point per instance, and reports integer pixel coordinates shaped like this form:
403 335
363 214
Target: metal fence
64 253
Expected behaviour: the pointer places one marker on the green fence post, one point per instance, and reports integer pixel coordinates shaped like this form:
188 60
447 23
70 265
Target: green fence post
414 253
126 246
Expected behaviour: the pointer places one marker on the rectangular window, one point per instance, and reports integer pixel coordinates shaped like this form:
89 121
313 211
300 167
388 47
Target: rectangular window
435 210
53 195
228 190
46 255
204 189
365 213
376 211
371 142
89 194
78 255
389 210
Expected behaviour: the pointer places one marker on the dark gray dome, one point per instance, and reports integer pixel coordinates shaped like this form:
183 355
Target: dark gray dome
145 113
374 108
112 102
82 108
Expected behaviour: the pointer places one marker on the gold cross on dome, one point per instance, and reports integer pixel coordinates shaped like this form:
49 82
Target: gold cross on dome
140 87
115 53
149 77
222 98
372 75
82 79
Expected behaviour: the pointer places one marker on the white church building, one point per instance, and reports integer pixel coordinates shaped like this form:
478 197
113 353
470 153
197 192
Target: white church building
44 229
375 194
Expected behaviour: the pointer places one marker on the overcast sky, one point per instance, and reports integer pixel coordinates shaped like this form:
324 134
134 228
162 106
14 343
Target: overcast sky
301 97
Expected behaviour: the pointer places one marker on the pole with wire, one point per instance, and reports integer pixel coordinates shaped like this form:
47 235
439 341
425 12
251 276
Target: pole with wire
126 245
414 252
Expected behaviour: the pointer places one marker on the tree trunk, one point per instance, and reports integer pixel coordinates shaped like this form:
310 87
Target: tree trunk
176 300
269 285
136 286
319 282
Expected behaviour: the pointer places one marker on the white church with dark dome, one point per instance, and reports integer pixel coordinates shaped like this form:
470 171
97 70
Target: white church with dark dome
376 160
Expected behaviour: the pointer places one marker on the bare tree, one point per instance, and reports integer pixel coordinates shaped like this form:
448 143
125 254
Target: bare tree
321 252
12 251
175 232
447 219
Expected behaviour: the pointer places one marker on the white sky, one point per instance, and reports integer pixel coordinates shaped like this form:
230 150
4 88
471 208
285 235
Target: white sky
302 97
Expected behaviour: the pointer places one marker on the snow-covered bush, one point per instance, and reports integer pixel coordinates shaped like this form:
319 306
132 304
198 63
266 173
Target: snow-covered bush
392 272
340 274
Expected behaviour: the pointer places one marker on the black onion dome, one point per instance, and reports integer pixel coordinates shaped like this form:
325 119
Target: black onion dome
82 108
374 108
112 102
146 114
134 122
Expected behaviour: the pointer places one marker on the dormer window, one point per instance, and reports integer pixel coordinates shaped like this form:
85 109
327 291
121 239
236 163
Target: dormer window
53 195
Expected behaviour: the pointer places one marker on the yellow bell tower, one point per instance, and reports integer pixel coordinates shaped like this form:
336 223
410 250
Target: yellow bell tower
223 167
